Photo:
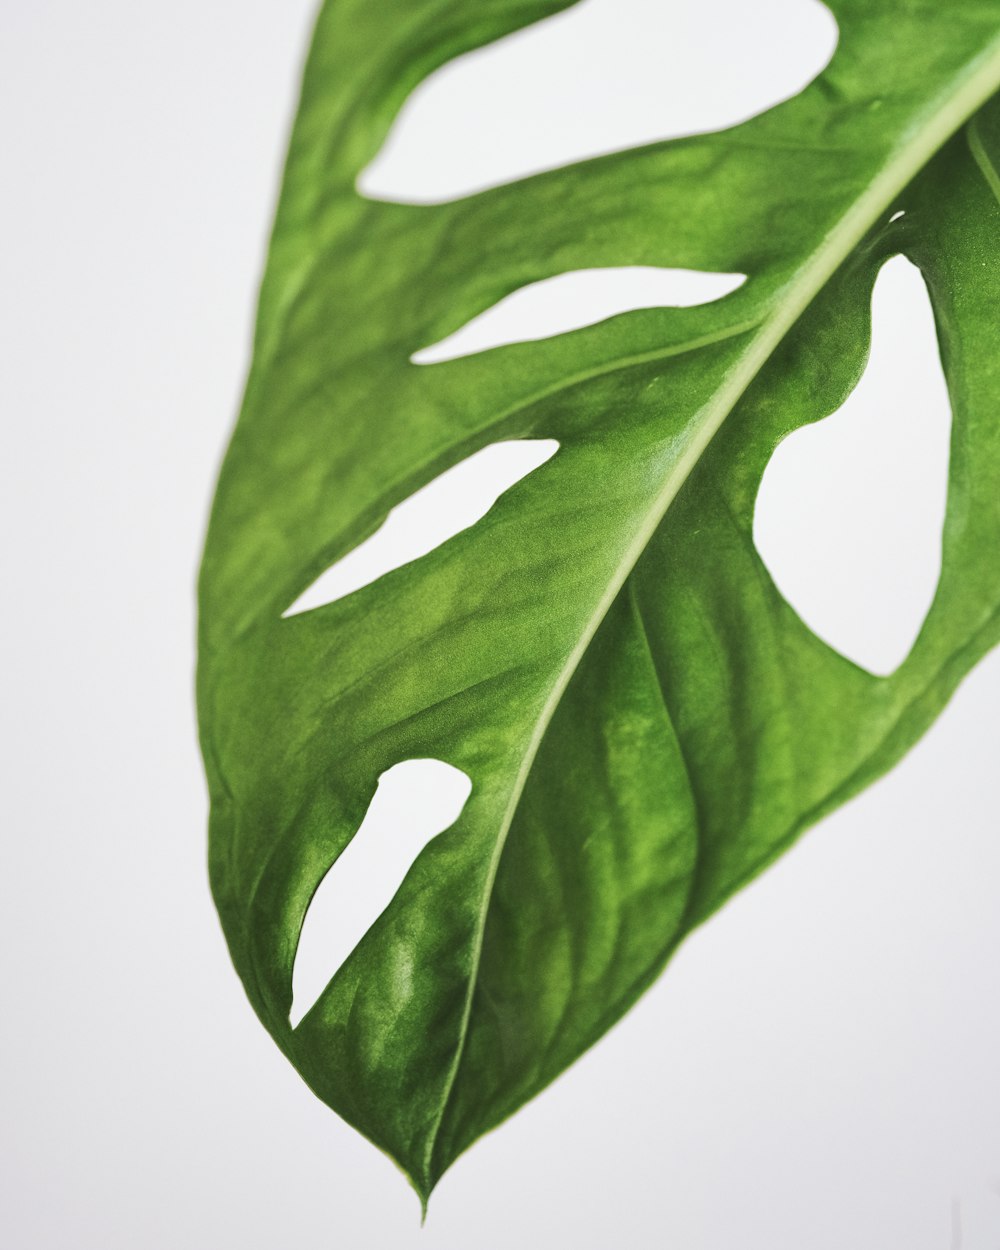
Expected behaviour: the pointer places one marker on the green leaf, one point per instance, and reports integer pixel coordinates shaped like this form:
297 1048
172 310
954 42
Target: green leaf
645 721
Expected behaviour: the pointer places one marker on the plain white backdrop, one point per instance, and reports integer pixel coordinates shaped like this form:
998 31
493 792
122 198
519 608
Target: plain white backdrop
818 1068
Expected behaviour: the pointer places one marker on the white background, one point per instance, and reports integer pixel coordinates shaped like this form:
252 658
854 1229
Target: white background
817 1070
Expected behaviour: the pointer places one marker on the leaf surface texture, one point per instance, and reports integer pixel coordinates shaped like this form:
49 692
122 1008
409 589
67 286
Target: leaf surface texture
646 723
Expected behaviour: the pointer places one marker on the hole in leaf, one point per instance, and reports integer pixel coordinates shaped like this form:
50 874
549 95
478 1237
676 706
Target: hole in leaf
414 802
452 502
582 297
849 515
603 76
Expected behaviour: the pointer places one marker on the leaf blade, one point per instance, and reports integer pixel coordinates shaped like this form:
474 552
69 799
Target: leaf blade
469 682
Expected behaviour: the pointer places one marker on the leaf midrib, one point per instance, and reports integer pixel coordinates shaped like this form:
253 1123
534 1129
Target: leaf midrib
944 117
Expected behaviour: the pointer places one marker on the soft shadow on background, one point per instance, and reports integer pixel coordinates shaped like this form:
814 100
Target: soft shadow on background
817 1068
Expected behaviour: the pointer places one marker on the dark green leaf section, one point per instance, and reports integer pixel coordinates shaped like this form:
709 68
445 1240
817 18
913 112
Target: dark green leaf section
645 721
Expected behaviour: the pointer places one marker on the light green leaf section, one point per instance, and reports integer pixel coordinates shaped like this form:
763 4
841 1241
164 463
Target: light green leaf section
645 721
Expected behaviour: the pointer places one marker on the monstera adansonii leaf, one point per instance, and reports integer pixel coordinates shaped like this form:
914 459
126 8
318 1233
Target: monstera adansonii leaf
645 721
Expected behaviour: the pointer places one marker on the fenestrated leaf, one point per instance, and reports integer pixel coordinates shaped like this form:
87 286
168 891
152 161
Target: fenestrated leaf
645 721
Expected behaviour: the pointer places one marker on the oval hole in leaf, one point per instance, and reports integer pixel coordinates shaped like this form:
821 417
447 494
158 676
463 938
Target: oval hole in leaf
539 98
849 515
415 801
581 297
452 502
